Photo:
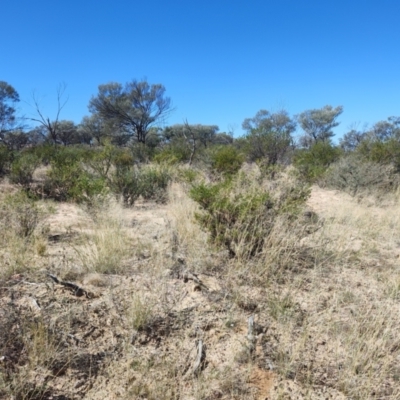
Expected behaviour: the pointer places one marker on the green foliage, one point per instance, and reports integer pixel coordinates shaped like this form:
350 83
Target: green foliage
240 218
175 153
188 175
233 219
22 169
382 152
313 162
226 160
69 180
150 183
104 158
141 152
167 156
6 156
269 137
317 124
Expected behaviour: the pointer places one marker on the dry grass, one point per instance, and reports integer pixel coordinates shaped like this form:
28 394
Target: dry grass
324 292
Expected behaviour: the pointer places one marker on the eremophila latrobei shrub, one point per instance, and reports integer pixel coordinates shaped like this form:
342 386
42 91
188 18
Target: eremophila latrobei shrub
148 182
240 216
22 169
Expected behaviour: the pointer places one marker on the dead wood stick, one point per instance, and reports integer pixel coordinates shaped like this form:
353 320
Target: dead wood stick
34 303
77 290
200 357
250 334
187 275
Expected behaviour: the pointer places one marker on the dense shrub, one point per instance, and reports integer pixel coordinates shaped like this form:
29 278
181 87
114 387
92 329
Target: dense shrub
147 182
171 156
22 169
6 157
383 152
226 160
240 217
70 179
313 162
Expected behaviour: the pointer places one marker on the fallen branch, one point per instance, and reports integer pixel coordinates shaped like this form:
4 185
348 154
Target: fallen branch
76 290
201 355
187 275
250 334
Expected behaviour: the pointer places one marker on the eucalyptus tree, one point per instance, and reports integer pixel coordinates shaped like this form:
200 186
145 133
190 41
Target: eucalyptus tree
385 130
133 108
352 139
269 136
8 99
317 124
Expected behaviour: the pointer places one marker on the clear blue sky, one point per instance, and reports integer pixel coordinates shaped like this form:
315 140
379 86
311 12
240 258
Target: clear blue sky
220 61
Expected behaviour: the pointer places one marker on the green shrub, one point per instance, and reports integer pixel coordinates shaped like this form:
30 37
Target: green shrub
6 157
188 175
22 169
69 177
176 152
381 152
226 160
147 182
166 156
44 152
313 162
240 218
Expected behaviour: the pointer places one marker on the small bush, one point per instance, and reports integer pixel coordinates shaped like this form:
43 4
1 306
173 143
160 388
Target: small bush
150 183
168 157
387 152
22 169
226 160
354 175
6 157
69 177
72 182
313 162
240 218
20 214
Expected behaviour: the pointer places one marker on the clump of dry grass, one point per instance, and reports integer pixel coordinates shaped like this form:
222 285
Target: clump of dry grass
106 248
21 238
186 236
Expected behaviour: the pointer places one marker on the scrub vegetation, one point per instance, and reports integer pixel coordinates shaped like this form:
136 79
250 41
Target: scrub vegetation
139 262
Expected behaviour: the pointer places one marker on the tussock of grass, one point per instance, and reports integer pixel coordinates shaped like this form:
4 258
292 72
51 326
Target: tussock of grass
21 238
107 248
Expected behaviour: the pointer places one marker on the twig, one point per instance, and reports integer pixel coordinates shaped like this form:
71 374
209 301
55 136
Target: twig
77 290
200 357
34 303
187 275
250 334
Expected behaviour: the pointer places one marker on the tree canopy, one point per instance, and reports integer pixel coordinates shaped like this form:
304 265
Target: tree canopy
269 135
317 124
134 108
8 97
